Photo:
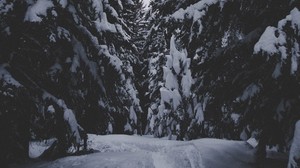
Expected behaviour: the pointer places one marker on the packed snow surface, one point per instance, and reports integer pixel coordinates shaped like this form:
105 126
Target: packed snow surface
124 151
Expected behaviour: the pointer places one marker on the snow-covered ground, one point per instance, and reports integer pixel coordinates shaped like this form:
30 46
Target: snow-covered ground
122 151
36 148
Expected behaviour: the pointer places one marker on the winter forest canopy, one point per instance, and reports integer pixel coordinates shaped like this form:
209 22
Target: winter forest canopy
226 69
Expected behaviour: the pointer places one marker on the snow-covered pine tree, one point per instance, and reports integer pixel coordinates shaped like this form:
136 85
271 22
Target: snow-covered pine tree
172 18
133 15
277 56
153 51
175 93
73 60
201 27
155 48
215 36
16 108
236 88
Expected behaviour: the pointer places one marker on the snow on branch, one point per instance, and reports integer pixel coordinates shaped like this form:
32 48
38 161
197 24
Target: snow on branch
39 8
7 77
70 118
274 41
196 11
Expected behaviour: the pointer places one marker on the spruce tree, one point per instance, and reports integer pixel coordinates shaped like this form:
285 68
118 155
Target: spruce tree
73 63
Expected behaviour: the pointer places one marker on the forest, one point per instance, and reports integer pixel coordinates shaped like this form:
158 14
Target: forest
193 69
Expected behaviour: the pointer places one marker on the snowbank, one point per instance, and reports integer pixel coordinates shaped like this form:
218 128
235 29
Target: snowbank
37 148
137 152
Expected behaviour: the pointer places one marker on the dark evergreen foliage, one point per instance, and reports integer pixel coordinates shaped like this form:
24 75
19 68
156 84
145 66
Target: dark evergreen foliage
76 58
99 66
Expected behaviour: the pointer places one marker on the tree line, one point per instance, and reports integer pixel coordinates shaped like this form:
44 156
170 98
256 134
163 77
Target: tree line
197 68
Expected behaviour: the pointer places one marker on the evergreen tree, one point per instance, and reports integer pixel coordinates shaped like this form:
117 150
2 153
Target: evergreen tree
219 37
154 49
236 85
73 60
175 93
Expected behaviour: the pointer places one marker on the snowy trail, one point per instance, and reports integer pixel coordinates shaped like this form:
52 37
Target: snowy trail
178 156
121 151
161 153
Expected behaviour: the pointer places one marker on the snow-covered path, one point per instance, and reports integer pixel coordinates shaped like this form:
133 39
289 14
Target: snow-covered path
122 151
